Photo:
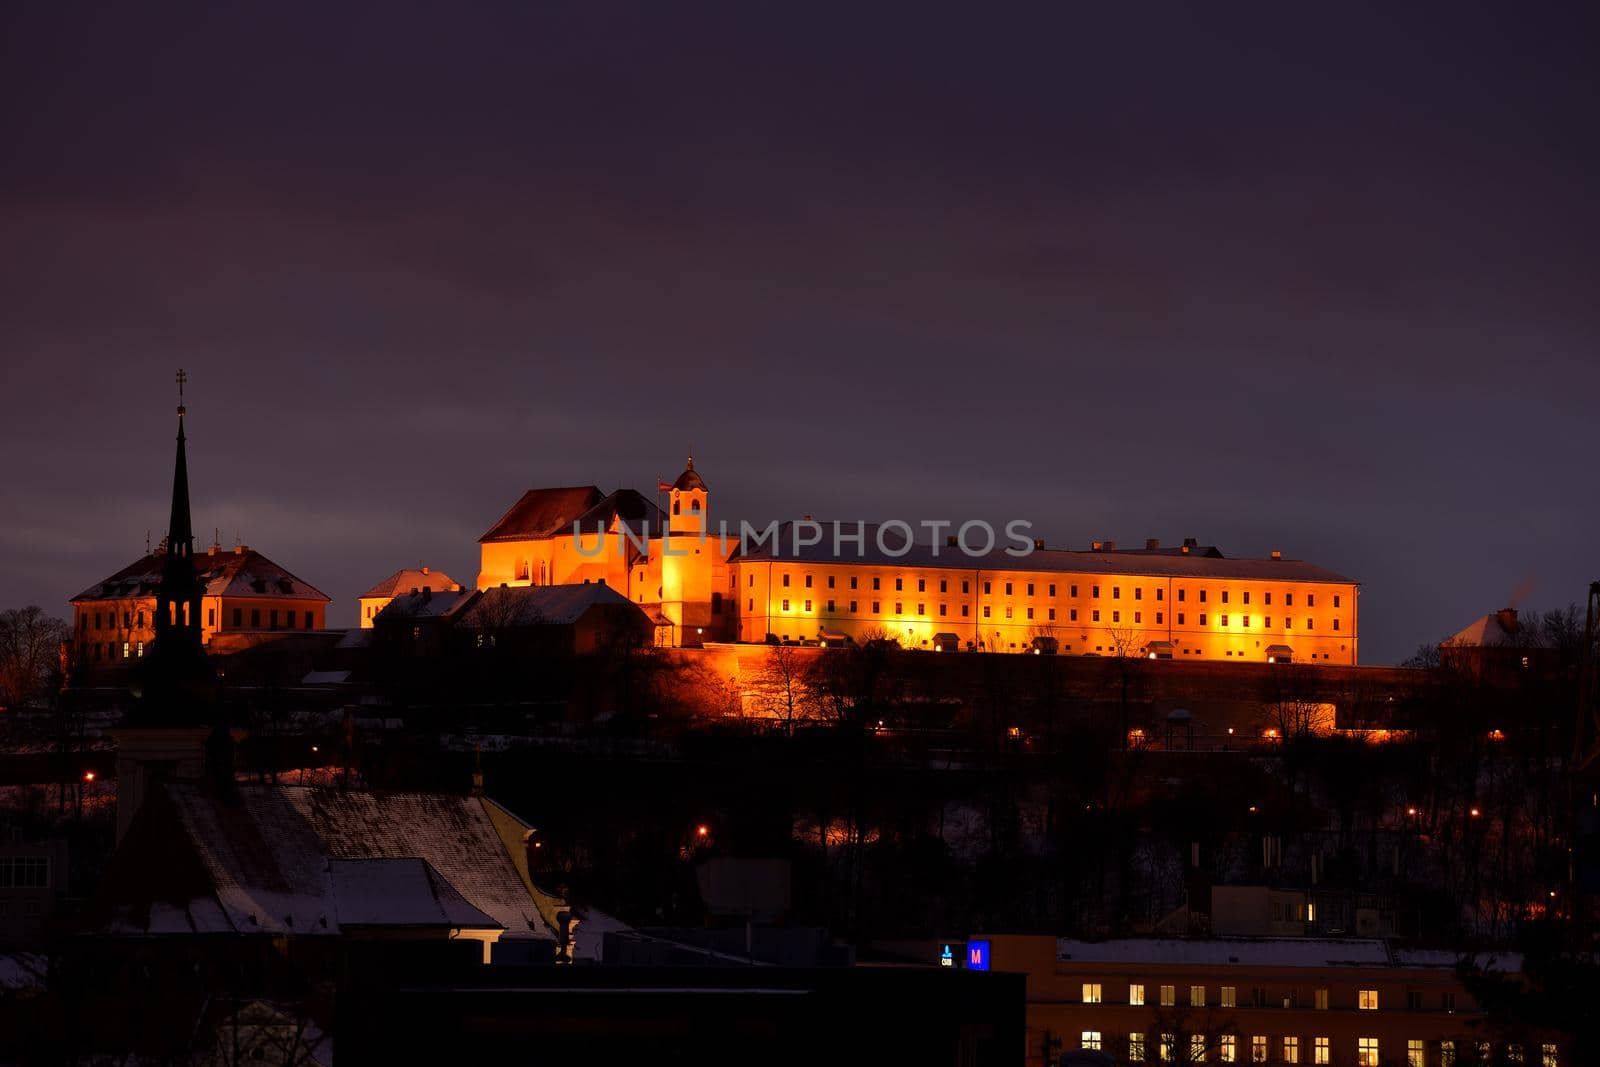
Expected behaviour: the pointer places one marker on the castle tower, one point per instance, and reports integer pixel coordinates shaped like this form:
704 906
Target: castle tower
165 735
687 559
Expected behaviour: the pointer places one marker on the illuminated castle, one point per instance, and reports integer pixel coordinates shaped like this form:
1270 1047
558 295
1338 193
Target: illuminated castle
665 562
1188 602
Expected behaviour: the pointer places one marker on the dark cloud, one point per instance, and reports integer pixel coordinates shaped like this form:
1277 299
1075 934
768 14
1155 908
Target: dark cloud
1269 276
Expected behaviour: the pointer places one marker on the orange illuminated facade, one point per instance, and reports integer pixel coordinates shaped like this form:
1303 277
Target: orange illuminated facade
114 620
663 561
1188 602
403 583
1185 603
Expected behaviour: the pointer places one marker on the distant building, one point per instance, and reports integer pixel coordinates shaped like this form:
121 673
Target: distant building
114 620
1187 603
401 583
33 877
1256 1000
666 563
276 862
567 618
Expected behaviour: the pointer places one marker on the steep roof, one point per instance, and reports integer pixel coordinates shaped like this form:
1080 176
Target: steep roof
543 513
533 605
242 572
1490 631
302 860
1208 563
411 578
628 506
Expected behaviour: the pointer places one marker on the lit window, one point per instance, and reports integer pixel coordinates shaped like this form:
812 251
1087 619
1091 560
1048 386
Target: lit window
1447 1054
1320 999
1228 996
1169 996
1415 1054
1258 1048
1228 1048
1367 1000
140 651
1197 996
1091 992
127 650
1090 1040
1366 1052
1291 1045
1136 994
1319 1050
1135 1048
1197 1048
1169 1046
1547 1053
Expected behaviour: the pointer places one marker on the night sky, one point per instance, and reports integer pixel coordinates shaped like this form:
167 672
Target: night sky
1293 276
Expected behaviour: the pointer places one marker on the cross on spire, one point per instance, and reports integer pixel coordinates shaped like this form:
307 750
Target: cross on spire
182 377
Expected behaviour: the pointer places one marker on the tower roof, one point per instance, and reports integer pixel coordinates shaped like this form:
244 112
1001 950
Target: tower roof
690 479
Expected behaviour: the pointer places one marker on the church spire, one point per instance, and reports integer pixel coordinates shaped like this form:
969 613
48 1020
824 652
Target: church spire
180 529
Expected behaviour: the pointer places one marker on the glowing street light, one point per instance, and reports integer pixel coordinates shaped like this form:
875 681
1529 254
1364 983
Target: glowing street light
702 830
88 776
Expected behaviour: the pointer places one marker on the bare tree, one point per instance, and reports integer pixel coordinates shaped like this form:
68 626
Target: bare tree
30 654
785 685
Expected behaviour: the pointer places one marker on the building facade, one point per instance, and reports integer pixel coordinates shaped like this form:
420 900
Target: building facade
1351 1002
1189 602
410 581
114 620
664 562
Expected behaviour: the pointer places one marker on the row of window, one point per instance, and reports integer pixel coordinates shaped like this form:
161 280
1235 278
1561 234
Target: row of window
1227 1048
1227 997
1072 614
24 872
1094 591
109 618
290 618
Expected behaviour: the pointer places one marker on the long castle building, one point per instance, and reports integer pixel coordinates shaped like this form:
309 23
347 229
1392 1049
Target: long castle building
1185 602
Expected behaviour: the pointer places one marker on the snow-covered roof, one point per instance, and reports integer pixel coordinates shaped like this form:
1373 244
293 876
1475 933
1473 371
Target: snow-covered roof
425 605
242 572
1223 951
304 860
412 579
533 605
1489 631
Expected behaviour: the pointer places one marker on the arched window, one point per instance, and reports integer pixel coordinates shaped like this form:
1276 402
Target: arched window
675 503
694 506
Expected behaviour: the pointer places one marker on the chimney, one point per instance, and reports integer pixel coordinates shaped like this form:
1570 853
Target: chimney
1095 546
1276 554
424 570
1152 543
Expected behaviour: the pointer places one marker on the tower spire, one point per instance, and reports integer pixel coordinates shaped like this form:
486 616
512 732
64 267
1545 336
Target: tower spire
180 532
